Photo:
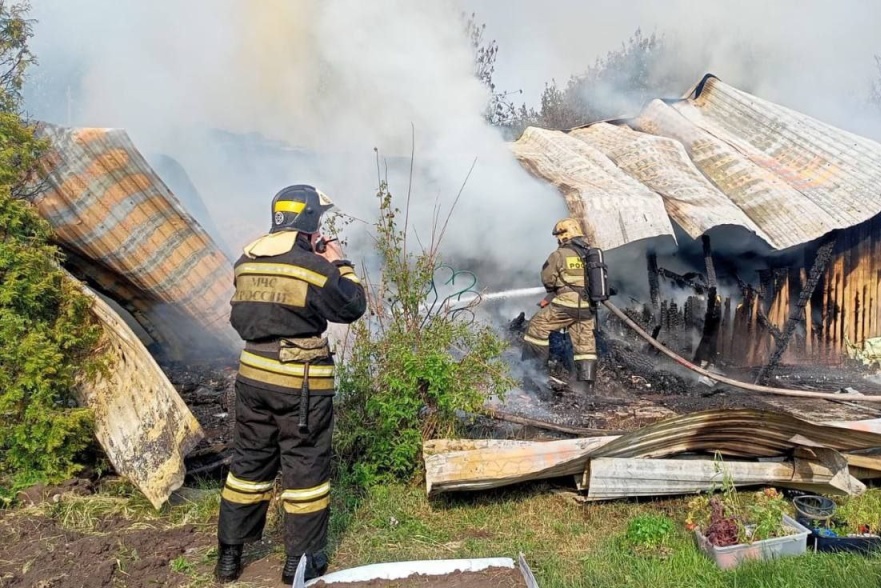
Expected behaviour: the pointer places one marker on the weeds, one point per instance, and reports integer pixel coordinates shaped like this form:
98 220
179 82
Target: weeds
729 517
181 565
649 531
411 367
858 515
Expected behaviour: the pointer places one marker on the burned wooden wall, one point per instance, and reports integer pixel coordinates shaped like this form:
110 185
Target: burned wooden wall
844 309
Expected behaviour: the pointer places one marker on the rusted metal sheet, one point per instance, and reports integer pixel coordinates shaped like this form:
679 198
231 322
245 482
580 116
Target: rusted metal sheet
141 422
769 202
612 478
840 172
614 208
717 157
115 215
457 465
736 433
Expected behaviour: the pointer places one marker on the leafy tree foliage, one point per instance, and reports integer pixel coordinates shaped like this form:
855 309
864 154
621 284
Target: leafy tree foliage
46 334
616 85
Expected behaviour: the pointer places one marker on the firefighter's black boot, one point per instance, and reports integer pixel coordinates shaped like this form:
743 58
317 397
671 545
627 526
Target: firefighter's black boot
229 563
537 356
586 371
536 367
316 565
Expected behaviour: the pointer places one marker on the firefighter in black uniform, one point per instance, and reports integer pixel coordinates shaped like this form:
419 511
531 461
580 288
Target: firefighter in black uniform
289 284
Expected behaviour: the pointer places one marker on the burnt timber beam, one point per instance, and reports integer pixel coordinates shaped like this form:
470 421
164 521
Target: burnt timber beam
707 348
683 281
651 259
824 255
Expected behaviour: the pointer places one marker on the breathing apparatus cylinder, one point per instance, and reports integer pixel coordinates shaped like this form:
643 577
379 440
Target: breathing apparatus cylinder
597 275
595 270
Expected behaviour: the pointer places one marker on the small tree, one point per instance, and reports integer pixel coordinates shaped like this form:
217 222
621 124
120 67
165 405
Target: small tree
500 110
411 367
46 333
618 84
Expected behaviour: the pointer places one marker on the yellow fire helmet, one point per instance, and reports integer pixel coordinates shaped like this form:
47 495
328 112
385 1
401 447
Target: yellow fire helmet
567 229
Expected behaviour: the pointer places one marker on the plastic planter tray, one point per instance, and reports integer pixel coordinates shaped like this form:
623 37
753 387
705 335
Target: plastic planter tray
846 544
733 555
402 569
819 542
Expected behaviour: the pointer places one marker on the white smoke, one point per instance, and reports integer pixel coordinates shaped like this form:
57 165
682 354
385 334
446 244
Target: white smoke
251 96
815 56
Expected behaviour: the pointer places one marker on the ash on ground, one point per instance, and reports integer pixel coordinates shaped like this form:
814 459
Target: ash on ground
209 390
636 386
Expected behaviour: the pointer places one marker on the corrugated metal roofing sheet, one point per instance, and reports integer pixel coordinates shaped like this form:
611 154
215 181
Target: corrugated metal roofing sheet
106 204
614 207
719 157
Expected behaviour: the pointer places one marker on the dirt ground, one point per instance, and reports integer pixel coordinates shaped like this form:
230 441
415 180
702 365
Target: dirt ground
491 578
36 551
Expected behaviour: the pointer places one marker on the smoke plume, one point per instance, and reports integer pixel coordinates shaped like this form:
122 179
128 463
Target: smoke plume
248 97
816 57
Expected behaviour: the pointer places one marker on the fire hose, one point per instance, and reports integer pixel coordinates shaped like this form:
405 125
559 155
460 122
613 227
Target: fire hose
734 383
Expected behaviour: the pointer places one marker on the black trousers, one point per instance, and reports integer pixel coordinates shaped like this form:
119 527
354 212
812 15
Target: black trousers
267 438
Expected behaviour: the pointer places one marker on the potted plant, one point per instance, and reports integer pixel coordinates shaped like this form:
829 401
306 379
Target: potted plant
853 525
730 528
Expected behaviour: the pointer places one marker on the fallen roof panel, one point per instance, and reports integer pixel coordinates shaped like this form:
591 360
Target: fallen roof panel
614 208
718 157
107 205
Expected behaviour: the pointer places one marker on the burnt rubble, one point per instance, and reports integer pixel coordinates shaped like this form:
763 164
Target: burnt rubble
208 388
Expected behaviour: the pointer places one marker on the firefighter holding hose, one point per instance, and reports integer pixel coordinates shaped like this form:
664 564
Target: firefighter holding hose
288 285
569 303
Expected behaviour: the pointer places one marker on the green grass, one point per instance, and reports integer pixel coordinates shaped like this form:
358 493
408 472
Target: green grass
566 543
119 499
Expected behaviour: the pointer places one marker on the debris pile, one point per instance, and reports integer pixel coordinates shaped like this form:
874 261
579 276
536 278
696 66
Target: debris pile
749 447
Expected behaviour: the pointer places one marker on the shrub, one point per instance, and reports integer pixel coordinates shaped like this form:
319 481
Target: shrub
861 514
409 370
46 333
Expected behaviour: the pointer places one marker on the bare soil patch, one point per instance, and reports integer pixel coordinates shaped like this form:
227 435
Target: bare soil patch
37 551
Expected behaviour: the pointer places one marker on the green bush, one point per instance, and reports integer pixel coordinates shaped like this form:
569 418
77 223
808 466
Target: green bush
409 371
46 333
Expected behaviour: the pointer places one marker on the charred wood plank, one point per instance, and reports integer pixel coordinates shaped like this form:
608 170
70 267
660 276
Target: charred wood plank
824 255
540 424
689 280
654 283
767 324
708 261
214 465
707 348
